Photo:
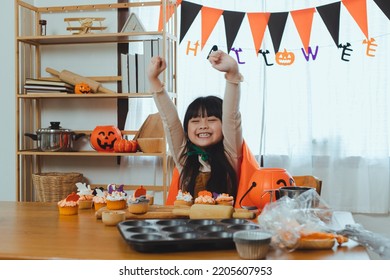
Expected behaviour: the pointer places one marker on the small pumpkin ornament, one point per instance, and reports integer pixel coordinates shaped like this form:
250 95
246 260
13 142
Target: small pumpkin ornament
125 146
104 137
82 88
285 58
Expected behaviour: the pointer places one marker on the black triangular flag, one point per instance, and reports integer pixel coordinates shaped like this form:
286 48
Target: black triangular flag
384 5
276 25
189 11
233 22
330 15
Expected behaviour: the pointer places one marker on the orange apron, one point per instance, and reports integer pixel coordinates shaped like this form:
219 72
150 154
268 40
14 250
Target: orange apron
248 166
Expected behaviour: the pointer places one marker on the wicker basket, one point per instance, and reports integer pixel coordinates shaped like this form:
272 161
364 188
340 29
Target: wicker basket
54 186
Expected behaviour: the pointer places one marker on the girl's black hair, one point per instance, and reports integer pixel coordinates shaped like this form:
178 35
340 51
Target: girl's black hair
223 178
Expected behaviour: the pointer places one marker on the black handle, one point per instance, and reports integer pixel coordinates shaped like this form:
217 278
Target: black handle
78 136
245 194
55 125
282 181
32 136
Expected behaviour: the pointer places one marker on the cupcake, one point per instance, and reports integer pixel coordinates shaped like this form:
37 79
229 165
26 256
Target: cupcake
69 205
183 198
205 197
224 199
141 191
99 199
85 194
116 197
139 205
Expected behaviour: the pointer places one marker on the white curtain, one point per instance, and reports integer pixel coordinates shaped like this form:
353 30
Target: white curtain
326 117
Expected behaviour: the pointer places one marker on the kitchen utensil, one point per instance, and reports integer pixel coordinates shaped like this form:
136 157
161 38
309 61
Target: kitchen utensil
291 192
252 244
166 212
154 212
205 211
158 235
55 138
73 79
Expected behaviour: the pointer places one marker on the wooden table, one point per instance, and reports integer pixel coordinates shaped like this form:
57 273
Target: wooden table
33 230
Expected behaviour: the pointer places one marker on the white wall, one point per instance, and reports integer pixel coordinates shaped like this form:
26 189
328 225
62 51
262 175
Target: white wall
7 103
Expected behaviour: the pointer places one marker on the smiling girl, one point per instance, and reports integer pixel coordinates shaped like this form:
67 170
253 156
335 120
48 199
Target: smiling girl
207 148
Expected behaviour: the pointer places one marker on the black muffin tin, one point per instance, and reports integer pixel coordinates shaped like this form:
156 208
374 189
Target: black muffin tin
161 235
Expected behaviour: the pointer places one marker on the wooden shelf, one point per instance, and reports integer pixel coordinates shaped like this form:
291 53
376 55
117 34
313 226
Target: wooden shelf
32 106
93 95
35 152
89 38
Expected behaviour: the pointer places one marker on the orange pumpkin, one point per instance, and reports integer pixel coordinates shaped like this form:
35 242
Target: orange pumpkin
285 58
82 88
264 182
103 138
125 146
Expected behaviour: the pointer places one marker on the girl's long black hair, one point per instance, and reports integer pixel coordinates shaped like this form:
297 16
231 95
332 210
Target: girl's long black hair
223 178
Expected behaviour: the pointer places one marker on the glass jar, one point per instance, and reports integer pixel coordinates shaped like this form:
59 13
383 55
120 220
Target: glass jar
42 25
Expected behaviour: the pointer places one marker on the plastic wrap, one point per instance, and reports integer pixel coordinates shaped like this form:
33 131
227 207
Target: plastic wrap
372 241
288 218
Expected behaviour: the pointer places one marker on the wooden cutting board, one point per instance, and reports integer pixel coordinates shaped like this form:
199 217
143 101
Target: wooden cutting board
193 212
154 212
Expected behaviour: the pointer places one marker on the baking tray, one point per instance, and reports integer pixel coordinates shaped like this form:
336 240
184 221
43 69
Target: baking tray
161 235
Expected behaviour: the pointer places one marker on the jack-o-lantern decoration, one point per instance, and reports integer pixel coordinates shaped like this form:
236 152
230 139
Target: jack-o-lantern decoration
263 183
82 88
103 138
285 58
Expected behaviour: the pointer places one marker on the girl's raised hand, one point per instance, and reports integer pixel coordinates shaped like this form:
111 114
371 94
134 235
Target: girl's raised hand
156 66
223 62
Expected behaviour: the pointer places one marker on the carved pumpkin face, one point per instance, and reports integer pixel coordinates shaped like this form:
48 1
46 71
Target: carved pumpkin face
266 179
285 58
104 137
82 88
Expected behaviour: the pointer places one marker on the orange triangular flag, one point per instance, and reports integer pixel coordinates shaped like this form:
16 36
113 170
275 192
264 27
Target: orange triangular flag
169 12
358 10
258 22
210 17
303 20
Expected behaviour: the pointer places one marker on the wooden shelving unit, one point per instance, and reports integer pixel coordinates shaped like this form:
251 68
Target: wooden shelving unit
29 106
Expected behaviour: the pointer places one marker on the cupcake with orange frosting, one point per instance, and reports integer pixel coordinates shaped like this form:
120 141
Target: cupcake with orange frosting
183 198
204 197
224 199
99 199
116 197
69 205
85 194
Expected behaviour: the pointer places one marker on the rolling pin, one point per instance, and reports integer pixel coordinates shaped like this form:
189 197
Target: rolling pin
205 211
73 79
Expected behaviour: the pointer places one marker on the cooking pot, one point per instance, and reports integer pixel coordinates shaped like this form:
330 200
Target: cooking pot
291 192
55 138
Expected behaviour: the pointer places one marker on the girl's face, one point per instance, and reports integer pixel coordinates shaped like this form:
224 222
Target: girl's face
205 131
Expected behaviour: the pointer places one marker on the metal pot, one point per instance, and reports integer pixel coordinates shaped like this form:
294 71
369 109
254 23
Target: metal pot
54 138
